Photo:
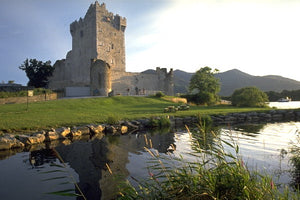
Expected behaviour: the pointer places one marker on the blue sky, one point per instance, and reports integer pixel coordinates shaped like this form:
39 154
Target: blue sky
257 37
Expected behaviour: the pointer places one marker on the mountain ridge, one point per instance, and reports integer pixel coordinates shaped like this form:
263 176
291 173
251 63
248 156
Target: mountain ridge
234 79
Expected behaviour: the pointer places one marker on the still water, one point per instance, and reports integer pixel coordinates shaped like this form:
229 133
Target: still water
36 172
285 105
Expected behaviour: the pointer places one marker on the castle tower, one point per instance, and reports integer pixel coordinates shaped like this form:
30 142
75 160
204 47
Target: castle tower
110 38
99 35
96 63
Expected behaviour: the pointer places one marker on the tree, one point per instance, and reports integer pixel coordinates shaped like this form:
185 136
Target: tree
249 97
37 72
205 86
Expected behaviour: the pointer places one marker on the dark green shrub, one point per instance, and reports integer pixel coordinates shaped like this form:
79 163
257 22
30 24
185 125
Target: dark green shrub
112 119
159 122
249 97
160 94
23 93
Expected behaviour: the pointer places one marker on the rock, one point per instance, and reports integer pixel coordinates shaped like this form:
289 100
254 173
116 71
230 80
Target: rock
75 132
66 142
63 132
8 141
255 119
96 129
230 119
123 129
217 119
36 138
178 121
136 123
188 120
98 136
289 115
51 135
277 117
131 126
79 131
24 139
110 130
84 130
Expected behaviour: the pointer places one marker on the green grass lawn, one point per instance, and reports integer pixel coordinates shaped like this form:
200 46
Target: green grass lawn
68 112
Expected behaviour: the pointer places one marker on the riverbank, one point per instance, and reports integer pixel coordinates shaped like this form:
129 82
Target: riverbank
75 112
120 127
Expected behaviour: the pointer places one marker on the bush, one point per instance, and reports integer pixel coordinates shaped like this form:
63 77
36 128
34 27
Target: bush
201 98
249 97
159 122
23 93
160 94
112 119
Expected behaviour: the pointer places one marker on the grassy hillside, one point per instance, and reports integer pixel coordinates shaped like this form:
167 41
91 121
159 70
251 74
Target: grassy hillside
68 112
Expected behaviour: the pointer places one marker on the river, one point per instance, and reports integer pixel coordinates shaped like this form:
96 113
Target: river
285 105
36 172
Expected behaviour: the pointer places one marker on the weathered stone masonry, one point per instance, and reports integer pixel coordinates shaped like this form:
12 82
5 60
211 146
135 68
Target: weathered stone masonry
96 64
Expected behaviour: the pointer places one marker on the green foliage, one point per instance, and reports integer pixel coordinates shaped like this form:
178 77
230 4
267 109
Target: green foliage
295 160
293 94
160 94
159 122
204 86
249 97
37 72
23 93
112 119
13 94
217 174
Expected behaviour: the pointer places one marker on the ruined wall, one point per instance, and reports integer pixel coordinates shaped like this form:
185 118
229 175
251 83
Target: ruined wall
143 83
36 98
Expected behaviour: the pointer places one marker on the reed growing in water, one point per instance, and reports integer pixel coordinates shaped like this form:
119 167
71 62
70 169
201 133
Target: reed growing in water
213 174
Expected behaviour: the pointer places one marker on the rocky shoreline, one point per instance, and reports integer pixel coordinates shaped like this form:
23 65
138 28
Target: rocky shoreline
12 141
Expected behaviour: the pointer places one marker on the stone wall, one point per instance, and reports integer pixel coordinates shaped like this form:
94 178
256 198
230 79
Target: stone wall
143 83
240 118
43 97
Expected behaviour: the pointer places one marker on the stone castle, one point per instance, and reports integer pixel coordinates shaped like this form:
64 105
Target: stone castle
96 64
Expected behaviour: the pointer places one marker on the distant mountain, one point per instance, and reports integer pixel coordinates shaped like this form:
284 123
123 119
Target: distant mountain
235 79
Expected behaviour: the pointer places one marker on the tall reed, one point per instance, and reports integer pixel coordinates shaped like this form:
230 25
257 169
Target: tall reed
213 173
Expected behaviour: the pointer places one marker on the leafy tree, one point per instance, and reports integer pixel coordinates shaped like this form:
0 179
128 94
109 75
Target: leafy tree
204 86
249 97
293 94
37 72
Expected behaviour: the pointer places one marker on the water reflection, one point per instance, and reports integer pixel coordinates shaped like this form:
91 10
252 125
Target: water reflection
40 157
260 146
88 159
251 130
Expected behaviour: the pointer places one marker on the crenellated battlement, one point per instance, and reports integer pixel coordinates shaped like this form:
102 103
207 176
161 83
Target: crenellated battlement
99 11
